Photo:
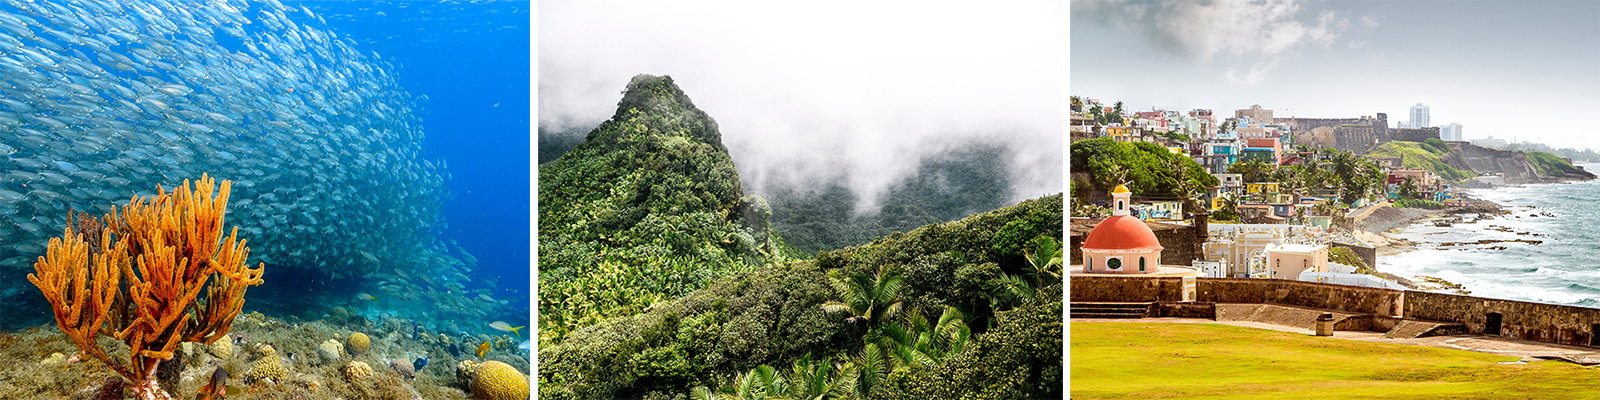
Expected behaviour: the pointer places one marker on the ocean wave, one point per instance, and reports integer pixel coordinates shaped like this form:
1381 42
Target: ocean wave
1583 288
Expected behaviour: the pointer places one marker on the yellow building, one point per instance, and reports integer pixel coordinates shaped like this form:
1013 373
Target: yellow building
1262 187
1123 134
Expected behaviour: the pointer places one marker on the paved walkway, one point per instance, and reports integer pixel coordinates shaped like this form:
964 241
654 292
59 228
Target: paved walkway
1527 350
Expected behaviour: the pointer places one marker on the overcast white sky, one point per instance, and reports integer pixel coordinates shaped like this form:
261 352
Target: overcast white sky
1528 70
812 86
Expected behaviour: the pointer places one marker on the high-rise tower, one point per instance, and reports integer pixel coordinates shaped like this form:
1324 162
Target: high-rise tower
1419 116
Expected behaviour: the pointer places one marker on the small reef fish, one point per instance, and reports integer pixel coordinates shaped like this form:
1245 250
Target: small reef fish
217 388
526 345
505 327
365 296
482 349
421 362
455 351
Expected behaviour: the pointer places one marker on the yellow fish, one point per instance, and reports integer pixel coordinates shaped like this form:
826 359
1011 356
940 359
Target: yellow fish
483 348
365 296
505 327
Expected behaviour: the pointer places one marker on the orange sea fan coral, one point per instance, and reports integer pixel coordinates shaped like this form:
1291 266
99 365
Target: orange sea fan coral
160 274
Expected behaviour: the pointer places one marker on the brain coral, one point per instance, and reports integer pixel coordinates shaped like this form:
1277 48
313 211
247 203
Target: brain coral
496 380
359 343
356 370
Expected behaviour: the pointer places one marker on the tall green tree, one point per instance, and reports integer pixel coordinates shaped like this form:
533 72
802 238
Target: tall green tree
870 299
1116 114
1409 188
1045 261
1252 169
913 340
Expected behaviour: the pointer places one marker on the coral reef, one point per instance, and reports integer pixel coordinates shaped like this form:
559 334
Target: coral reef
404 368
498 381
359 342
268 366
356 370
464 371
306 376
144 281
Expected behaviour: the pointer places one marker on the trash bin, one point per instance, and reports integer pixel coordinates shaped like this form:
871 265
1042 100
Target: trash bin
1325 324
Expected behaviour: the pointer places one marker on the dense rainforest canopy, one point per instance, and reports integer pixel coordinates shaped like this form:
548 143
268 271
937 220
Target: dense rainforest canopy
774 317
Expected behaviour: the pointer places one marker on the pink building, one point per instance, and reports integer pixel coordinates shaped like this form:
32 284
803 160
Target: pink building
1121 244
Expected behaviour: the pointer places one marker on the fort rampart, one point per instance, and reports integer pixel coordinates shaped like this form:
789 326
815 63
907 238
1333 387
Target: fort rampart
1570 325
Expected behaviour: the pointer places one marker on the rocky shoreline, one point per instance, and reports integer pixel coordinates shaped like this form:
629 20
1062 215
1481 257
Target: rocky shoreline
1377 227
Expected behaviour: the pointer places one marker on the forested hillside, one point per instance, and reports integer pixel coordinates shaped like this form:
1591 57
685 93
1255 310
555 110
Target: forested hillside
648 208
979 305
659 278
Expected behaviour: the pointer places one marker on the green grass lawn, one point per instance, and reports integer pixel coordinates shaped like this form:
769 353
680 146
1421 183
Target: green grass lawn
1164 360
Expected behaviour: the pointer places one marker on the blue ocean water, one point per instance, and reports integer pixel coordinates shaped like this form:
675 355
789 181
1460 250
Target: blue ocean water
471 60
1563 268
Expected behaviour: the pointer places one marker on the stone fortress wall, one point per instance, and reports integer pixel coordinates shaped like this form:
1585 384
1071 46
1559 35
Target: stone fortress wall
1378 309
1357 135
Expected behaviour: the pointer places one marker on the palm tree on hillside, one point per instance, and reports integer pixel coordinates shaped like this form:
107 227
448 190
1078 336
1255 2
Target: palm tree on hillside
1116 174
1184 186
1010 291
1228 209
1252 168
872 368
870 299
914 341
1409 189
1046 261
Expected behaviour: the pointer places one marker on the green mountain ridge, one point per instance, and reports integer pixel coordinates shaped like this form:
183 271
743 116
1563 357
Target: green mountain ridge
648 208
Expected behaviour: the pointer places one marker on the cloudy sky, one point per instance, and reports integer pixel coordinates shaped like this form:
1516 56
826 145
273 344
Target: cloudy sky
822 86
1523 70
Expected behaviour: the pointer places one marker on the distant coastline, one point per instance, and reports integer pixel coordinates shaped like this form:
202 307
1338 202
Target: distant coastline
1485 245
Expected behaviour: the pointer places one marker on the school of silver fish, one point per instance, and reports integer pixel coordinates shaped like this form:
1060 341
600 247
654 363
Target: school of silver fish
101 100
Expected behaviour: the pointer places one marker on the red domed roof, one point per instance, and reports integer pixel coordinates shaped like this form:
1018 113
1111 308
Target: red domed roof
1122 232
